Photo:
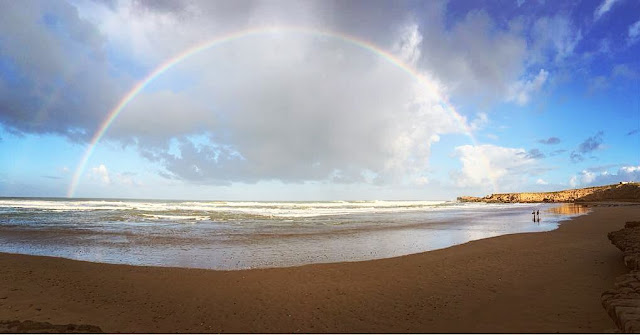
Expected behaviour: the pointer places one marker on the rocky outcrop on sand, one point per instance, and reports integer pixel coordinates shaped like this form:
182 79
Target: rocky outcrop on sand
29 326
617 192
623 302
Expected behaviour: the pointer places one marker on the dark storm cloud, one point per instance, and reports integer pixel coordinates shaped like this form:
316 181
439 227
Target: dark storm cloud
56 76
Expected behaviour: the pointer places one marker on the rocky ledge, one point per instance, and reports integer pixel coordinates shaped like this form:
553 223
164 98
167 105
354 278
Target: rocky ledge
29 326
627 192
623 301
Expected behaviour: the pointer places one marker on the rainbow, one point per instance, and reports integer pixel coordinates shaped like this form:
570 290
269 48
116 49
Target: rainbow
168 64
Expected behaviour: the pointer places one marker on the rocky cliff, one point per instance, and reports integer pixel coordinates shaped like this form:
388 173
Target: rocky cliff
623 301
615 192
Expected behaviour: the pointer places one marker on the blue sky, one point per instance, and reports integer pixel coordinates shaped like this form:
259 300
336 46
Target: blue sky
548 92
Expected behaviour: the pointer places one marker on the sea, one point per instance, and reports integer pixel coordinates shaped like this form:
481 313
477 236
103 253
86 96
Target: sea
231 235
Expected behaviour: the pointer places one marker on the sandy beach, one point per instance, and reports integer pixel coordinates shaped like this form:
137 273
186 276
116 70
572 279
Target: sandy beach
531 282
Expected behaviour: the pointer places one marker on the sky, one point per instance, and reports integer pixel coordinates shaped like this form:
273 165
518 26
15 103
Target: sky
317 100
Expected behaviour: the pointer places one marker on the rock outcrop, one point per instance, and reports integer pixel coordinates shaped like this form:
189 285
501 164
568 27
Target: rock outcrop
29 326
628 192
623 302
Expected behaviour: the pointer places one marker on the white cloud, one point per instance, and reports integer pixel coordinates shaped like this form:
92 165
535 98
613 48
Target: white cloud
624 70
493 166
287 106
408 46
587 177
554 40
481 120
591 178
573 181
127 179
604 7
421 181
318 108
100 173
541 181
521 91
475 58
634 33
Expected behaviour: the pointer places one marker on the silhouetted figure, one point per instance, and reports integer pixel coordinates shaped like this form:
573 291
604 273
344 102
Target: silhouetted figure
538 212
534 215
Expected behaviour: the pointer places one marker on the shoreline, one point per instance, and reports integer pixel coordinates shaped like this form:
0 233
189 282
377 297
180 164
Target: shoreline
525 282
380 237
346 231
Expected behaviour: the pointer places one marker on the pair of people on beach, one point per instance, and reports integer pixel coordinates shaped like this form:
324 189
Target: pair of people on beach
534 215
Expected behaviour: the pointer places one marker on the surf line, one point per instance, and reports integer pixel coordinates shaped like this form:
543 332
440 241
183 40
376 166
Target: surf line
217 41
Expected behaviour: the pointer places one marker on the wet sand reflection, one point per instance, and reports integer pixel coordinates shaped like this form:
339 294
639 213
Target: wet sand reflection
569 209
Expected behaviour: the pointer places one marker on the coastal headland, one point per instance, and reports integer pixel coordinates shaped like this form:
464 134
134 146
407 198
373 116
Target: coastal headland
530 282
623 192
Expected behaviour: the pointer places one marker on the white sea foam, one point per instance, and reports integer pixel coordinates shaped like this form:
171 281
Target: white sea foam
271 209
221 235
177 217
200 210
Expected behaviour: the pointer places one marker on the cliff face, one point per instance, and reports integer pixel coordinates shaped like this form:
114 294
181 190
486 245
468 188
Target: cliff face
616 192
623 301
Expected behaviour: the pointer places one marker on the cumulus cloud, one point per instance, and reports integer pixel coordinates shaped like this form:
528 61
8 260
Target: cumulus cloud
541 181
285 106
100 173
550 140
294 109
604 7
317 109
589 145
589 177
493 166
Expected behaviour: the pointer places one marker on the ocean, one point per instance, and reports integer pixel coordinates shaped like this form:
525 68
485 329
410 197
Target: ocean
229 235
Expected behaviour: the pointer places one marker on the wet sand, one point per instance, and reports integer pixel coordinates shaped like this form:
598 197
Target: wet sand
534 282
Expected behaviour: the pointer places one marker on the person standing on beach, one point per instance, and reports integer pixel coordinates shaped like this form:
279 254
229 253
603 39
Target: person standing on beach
538 212
534 215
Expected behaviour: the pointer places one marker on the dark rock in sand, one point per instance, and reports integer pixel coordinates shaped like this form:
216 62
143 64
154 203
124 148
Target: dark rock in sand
29 326
628 240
